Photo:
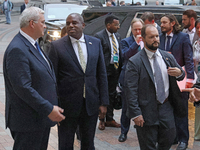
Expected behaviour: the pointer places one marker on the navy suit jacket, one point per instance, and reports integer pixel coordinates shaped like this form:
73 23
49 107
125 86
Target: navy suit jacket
129 48
181 49
30 87
71 78
141 92
105 42
22 8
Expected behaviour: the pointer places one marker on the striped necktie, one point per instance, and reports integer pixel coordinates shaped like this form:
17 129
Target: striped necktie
115 52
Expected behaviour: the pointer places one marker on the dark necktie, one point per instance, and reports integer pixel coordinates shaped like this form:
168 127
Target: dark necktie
160 89
114 50
168 43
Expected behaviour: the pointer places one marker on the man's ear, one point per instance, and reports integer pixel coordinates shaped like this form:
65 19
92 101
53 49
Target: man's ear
31 23
173 23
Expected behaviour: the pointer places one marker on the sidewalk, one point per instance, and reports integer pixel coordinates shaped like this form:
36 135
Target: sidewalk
104 140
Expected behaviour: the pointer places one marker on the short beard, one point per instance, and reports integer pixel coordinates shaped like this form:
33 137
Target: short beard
151 47
187 26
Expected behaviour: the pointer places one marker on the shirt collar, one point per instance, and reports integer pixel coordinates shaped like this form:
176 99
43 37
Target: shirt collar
192 31
73 40
171 34
109 34
150 54
30 39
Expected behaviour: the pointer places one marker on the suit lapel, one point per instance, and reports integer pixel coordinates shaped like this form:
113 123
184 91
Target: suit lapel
173 40
147 65
165 58
70 50
162 42
38 56
107 39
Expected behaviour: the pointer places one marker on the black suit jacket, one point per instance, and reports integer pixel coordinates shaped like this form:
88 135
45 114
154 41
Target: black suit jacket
105 42
140 88
22 8
71 78
30 87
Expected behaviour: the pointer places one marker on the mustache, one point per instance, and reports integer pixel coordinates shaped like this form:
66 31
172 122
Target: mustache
156 42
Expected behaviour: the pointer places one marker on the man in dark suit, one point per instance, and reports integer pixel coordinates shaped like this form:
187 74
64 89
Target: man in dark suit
113 61
130 46
179 45
150 106
82 84
24 6
30 84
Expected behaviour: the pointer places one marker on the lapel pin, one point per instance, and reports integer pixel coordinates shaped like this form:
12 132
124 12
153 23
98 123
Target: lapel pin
167 59
90 43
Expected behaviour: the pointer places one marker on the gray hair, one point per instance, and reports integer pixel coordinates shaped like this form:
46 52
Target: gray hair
136 20
31 13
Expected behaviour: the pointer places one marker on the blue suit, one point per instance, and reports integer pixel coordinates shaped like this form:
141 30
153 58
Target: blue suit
71 80
181 48
129 48
30 89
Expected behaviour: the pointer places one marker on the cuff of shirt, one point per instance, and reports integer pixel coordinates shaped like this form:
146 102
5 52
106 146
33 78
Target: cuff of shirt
190 80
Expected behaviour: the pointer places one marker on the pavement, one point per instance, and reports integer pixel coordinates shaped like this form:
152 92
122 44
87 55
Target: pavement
104 140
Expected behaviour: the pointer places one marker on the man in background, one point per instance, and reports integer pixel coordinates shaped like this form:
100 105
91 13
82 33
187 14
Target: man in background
110 41
178 44
6 8
149 18
188 20
24 6
130 46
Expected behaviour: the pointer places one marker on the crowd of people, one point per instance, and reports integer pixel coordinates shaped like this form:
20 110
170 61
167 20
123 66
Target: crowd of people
76 84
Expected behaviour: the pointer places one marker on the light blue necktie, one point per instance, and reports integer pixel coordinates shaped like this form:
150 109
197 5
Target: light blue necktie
160 89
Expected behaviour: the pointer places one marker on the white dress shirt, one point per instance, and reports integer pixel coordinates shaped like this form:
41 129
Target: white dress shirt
190 33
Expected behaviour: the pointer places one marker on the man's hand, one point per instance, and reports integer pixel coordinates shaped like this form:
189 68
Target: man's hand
56 114
138 38
194 94
174 71
139 121
102 112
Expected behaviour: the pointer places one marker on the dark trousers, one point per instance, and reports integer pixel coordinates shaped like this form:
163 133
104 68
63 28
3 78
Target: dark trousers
112 75
182 132
162 133
36 140
87 127
125 121
155 137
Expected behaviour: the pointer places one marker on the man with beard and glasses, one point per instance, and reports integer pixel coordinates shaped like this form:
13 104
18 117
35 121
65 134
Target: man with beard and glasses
152 92
178 44
188 20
